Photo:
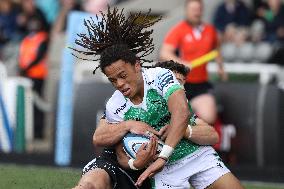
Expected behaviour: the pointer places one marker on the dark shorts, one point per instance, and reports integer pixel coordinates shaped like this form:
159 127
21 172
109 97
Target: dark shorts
195 89
120 178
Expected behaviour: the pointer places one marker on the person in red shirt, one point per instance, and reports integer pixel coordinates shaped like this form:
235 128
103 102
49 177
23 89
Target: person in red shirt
192 38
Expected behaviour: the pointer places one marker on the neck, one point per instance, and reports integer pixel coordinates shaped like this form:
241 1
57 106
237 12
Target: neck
193 24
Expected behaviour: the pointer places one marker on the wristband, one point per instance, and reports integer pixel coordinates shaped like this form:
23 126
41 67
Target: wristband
190 131
164 158
131 164
166 151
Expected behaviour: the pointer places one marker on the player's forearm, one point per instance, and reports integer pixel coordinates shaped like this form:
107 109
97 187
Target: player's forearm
219 59
203 135
179 118
122 158
109 134
169 56
144 155
168 53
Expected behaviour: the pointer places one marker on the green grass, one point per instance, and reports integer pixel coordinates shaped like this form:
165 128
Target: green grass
35 177
263 186
32 177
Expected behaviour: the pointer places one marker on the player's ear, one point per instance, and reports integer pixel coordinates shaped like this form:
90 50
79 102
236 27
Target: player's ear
137 67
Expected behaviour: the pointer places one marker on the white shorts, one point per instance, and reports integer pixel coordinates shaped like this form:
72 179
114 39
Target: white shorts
200 169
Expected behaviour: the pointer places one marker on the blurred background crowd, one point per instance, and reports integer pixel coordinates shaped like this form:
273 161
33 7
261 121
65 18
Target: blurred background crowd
256 26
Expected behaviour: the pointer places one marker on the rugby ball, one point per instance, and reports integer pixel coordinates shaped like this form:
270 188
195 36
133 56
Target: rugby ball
132 142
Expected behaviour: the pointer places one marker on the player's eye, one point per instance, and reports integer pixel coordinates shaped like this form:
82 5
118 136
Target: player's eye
123 76
112 80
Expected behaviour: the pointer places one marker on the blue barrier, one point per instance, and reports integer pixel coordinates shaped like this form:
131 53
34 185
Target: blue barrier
64 127
6 123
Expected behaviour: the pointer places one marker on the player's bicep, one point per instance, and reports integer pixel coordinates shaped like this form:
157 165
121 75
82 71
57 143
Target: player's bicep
101 123
177 102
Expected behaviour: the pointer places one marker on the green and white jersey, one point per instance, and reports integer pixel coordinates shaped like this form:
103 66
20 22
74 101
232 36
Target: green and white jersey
159 84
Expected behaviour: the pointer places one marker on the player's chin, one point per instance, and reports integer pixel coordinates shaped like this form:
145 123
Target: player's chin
126 95
127 92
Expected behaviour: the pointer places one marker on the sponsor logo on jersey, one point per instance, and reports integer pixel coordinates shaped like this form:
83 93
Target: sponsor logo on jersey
150 82
120 109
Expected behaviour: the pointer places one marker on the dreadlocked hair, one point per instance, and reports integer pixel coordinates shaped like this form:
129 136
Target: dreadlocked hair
115 37
174 66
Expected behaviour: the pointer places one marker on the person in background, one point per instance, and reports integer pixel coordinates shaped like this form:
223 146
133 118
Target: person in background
192 38
8 22
29 10
272 15
59 26
32 63
232 17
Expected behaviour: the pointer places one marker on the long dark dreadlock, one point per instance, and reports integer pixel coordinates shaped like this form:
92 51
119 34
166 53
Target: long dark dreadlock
116 37
174 66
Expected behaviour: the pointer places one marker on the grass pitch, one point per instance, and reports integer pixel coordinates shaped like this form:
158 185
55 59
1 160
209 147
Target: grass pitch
36 177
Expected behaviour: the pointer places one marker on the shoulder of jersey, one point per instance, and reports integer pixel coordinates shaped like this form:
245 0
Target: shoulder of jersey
151 74
150 71
116 99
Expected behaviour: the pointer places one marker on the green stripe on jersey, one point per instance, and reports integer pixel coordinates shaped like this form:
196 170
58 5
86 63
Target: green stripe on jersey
171 90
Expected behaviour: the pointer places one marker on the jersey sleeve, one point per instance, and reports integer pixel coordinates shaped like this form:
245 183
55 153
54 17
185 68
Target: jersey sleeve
173 37
113 109
111 116
166 82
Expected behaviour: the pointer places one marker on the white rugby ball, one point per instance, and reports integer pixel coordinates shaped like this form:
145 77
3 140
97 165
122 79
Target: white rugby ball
132 142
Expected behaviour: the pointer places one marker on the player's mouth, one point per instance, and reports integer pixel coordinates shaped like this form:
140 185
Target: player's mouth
126 92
